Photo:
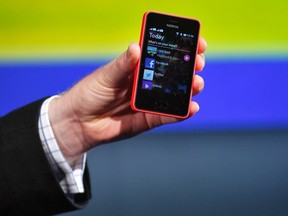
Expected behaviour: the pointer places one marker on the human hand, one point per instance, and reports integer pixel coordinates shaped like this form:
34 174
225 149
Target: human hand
97 109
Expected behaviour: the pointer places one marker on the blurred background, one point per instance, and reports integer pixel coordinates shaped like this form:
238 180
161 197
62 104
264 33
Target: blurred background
230 159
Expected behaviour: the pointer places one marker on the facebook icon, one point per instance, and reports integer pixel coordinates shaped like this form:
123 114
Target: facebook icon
150 63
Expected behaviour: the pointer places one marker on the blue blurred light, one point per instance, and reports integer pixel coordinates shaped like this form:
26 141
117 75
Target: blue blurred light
238 93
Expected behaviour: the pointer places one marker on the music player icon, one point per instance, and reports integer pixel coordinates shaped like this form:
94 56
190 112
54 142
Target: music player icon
186 58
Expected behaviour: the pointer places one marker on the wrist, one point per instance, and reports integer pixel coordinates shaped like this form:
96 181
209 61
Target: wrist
66 128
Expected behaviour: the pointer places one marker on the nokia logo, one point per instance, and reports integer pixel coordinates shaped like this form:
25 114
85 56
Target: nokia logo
172 26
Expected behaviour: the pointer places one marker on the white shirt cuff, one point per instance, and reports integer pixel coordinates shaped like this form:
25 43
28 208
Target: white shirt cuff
70 178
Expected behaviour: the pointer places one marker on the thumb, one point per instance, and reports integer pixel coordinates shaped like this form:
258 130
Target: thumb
118 71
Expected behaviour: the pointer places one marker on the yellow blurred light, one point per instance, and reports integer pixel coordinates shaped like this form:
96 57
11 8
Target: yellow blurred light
57 29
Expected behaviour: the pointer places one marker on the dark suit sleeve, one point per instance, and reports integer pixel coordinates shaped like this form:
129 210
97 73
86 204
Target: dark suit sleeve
27 183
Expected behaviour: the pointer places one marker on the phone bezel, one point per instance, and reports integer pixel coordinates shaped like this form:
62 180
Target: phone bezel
191 25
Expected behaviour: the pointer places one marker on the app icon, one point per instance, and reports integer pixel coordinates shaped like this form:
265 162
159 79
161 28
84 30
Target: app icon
148 74
150 63
152 51
186 58
147 85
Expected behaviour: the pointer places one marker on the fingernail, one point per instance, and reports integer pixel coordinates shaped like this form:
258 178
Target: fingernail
198 107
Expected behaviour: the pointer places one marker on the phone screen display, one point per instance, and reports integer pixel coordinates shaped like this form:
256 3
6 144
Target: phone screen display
166 67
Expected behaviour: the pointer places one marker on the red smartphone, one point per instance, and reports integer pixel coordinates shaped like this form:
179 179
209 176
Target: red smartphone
164 74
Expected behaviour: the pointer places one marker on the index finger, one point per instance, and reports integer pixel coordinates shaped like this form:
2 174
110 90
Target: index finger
202 45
